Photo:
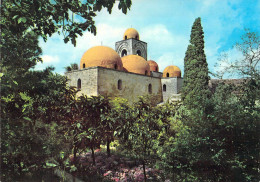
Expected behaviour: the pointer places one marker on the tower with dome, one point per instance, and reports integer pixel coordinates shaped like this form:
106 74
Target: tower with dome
125 72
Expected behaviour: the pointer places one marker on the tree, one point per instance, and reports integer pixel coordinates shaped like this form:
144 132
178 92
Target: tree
30 137
246 67
33 102
85 120
221 144
45 18
195 84
139 139
73 66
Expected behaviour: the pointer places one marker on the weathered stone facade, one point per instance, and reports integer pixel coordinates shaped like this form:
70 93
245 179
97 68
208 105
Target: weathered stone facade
171 87
131 47
88 78
114 83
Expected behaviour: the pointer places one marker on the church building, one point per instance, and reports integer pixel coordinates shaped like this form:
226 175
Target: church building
125 72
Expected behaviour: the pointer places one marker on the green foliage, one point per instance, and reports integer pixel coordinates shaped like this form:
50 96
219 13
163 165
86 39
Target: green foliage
220 142
44 18
29 135
34 103
73 66
86 121
195 79
224 146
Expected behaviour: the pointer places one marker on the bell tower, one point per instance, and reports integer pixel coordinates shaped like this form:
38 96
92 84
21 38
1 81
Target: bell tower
131 45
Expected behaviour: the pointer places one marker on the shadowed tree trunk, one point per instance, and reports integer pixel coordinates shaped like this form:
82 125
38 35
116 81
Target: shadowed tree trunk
93 156
108 147
145 179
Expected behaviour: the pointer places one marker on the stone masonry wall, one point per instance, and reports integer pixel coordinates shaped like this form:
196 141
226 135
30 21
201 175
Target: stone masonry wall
173 86
133 85
89 80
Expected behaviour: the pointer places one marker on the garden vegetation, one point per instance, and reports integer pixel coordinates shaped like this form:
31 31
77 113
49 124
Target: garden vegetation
208 136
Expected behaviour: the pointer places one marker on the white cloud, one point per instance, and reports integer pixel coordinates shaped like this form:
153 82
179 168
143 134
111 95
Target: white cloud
157 34
47 60
167 59
106 35
50 59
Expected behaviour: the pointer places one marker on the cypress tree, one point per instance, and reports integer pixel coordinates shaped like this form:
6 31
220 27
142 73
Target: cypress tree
195 84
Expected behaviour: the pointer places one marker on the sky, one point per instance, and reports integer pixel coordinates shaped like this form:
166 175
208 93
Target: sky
166 26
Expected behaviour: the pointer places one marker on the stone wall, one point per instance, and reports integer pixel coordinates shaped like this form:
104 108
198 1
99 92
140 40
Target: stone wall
89 80
104 81
131 46
156 74
133 85
173 87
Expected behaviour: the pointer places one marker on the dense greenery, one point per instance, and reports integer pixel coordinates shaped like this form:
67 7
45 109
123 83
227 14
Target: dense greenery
43 121
195 79
34 103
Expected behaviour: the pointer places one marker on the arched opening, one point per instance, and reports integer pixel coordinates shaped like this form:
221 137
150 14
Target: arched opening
79 84
125 37
136 37
167 75
119 84
145 73
84 65
138 52
115 66
124 53
150 88
156 69
164 88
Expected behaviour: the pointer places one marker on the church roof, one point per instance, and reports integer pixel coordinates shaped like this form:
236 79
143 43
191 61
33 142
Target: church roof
131 33
172 71
153 65
136 64
101 56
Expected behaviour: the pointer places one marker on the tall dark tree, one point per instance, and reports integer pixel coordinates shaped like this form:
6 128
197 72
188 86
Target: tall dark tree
195 86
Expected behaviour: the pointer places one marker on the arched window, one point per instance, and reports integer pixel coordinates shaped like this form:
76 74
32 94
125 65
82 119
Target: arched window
164 88
115 66
136 37
167 75
125 37
124 53
84 65
79 84
156 69
138 52
150 88
119 84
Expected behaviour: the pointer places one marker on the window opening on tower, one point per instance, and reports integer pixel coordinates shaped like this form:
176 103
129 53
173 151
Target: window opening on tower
124 53
138 52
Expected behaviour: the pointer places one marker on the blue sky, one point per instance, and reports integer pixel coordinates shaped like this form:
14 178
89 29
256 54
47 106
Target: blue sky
166 26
